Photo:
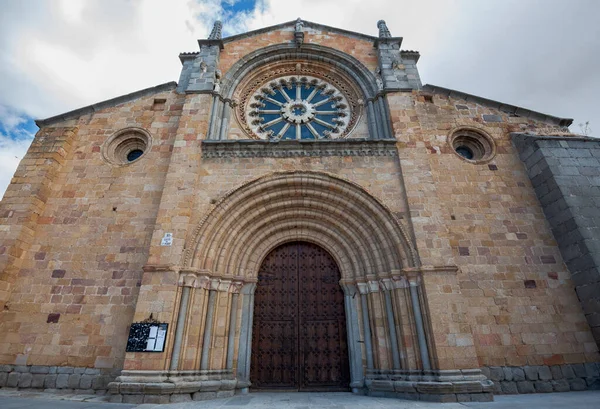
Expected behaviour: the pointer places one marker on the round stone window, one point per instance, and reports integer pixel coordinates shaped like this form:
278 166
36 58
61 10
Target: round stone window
472 145
302 107
126 146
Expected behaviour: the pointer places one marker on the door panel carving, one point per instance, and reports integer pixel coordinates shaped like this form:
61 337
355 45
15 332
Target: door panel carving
299 332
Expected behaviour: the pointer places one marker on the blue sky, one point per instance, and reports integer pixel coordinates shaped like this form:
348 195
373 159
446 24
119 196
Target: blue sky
59 55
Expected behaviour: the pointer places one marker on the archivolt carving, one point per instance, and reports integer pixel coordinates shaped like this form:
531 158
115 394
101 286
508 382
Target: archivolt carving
360 232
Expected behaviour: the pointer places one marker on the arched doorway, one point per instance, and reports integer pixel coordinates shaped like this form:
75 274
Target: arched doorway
299 327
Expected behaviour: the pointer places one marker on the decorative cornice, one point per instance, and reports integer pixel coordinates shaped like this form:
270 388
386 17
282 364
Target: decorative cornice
293 149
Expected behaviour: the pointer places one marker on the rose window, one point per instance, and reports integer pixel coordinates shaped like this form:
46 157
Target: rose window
298 108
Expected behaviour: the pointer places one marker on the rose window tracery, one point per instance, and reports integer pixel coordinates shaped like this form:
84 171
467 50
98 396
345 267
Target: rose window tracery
298 107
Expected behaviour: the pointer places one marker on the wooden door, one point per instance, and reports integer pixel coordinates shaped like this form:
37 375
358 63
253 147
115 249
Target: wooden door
299 329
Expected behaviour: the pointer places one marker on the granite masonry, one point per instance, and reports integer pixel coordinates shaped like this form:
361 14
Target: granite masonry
136 233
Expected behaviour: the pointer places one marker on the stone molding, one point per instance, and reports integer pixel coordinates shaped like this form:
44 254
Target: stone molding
194 280
293 149
171 386
396 279
466 385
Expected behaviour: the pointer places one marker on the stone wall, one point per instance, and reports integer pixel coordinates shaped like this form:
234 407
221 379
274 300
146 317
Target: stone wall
76 284
543 378
565 173
511 302
56 378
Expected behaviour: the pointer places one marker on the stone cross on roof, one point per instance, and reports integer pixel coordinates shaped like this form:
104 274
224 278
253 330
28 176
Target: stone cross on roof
384 32
215 34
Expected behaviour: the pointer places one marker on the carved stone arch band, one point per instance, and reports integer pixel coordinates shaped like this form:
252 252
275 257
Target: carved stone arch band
359 231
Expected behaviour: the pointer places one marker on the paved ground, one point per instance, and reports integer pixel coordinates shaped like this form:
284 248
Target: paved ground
571 400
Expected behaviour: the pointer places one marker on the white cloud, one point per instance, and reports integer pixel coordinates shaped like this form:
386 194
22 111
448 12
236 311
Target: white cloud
541 54
11 152
14 142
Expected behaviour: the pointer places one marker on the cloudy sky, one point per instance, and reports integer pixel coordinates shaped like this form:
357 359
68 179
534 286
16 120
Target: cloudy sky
58 55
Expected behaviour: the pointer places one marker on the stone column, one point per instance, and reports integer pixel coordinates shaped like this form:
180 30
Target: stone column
386 286
225 120
181 318
235 290
357 378
363 290
420 328
372 120
210 312
245 347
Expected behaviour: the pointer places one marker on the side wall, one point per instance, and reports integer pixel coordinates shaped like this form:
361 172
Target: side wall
76 285
565 173
512 302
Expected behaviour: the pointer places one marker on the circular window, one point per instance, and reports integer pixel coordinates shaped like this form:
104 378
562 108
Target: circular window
472 145
298 108
134 154
126 146
296 100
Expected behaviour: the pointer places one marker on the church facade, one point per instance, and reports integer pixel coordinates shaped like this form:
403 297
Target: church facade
299 212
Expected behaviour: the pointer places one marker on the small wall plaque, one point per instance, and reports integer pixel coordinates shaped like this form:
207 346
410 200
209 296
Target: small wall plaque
167 240
147 337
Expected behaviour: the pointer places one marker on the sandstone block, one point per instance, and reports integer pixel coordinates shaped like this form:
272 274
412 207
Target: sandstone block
37 380
482 397
62 381
74 380
115 398
531 373
85 381
518 373
577 384
463 397
21 368
40 369
100 382
508 373
137 399
525 387
544 373
593 383
496 373
568 372
3 379
543 386
156 398
180 397
509 388
13 379
579 370
50 381
556 372
25 380
561 385
204 395
225 394
591 370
